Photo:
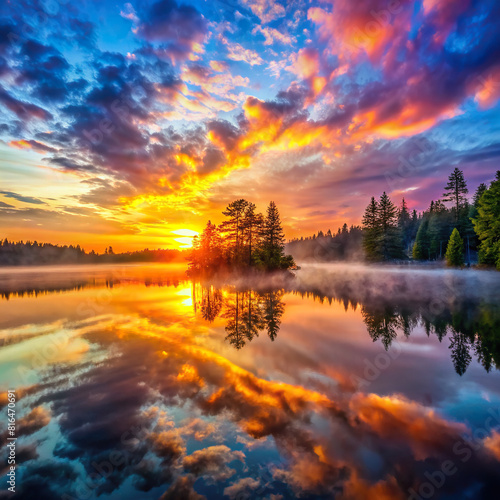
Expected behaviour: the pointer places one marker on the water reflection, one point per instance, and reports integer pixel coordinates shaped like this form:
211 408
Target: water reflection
472 327
129 388
247 312
472 323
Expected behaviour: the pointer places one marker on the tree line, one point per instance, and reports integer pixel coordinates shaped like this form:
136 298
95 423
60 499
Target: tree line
451 228
245 239
26 253
453 233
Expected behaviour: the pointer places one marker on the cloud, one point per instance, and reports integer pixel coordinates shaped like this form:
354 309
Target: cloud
265 10
492 444
182 488
180 28
244 486
23 199
38 418
23 110
236 52
212 462
37 146
273 35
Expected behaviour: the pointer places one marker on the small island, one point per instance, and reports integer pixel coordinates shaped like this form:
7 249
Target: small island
245 241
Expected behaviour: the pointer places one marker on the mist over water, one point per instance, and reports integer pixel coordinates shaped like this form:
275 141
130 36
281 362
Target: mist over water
400 283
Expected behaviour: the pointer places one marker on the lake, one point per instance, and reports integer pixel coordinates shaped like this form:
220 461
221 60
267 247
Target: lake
344 382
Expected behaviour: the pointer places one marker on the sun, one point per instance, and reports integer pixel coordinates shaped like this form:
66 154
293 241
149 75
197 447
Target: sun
187 237
185 232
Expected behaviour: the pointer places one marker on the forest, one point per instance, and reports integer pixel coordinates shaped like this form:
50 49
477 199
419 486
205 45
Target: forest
33 253
246 239
452 229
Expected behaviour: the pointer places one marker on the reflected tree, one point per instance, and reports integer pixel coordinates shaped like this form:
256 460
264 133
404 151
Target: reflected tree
247 312
211 303
472 325
235 315
460 345
381 324
273 311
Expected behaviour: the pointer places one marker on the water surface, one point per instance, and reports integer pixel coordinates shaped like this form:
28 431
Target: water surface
344 382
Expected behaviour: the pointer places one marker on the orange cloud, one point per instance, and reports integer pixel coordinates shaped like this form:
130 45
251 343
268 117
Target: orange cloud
492 444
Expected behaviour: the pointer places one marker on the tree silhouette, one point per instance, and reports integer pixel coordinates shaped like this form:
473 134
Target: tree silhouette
381 323
235 326
233 228
273 310
460 355
273 241
404 224
211 303
252 228
455 191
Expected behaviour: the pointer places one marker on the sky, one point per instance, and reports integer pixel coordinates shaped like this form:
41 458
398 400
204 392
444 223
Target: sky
132 123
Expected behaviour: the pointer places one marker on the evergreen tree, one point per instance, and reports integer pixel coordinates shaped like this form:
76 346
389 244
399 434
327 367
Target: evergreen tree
456 191
273 311
487 224
415 223
455 250
371 231
390 236
404 224
479 192
439 230
233 229
206 252
252 228
421 248
273 239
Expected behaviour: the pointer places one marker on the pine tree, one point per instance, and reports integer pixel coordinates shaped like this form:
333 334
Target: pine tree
439 229
404 224
455 250
456 191
421 248
371 231
487 224
479 192
252 228
233 229
273 240
206 252
390 237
